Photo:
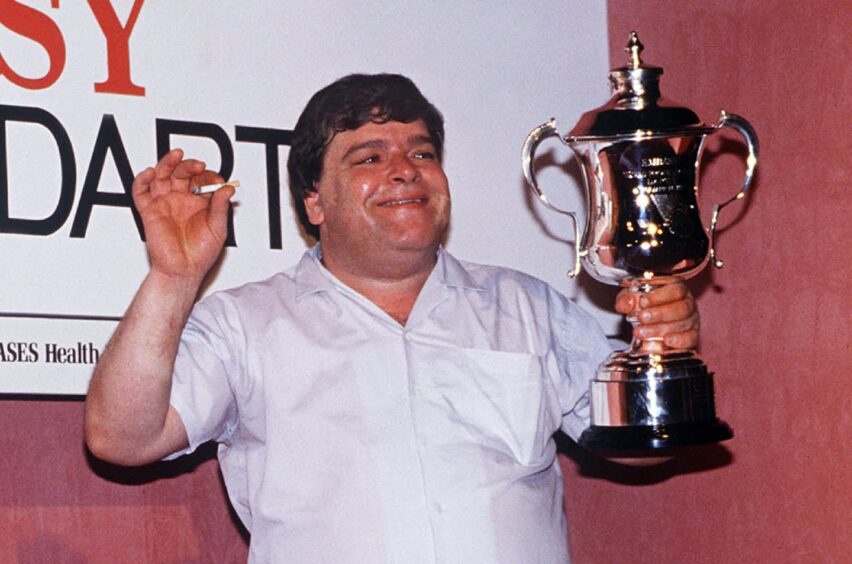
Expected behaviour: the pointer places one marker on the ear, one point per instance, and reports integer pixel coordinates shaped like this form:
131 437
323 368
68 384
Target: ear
313 208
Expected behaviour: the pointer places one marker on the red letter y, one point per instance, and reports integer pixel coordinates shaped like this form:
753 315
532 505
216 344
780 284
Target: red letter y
118 48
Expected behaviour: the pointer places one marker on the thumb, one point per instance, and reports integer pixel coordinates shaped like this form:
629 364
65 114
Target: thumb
219 204
626 302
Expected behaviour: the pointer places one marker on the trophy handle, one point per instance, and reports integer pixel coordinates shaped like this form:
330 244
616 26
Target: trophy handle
532 142
747 131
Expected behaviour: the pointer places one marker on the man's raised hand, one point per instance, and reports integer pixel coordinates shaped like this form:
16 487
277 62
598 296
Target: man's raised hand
185 232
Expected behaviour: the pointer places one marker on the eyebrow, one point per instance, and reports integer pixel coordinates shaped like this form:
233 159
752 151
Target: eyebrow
413 140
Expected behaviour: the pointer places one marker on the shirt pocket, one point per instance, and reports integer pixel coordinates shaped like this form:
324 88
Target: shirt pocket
502 401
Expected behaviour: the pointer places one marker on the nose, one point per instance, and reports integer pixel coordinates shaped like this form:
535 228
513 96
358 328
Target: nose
403 169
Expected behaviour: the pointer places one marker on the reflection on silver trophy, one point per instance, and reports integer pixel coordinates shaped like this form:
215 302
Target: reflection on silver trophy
639 154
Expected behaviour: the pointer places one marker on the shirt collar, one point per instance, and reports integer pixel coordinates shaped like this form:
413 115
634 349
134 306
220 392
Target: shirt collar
451 272
311 276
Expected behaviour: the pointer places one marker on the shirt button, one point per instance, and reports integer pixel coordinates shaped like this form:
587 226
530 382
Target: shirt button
439 508
406 336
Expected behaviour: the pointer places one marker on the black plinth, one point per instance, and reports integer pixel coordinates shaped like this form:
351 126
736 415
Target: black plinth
651 440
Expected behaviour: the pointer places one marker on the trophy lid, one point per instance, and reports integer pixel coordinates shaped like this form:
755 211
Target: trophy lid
636 107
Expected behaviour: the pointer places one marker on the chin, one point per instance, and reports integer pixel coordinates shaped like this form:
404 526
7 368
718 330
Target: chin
422 237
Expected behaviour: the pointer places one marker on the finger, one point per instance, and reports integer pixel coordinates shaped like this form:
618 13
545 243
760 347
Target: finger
664 294
684 340
180 178
186 169
626 302
141 186
206 177
667 312
662 330
173 173
218 211
161 184
167 164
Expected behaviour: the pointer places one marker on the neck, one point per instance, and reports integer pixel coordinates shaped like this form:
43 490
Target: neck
392 282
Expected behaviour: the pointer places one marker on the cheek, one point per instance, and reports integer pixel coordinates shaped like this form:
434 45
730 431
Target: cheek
362 190
351 200
349 203
359 186
439 181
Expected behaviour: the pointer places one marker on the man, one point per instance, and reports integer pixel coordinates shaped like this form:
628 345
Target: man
381 401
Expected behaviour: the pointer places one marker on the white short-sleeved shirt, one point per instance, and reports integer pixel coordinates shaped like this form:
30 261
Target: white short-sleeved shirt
346 437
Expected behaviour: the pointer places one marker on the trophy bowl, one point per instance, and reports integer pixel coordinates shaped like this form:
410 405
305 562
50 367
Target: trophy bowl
640 156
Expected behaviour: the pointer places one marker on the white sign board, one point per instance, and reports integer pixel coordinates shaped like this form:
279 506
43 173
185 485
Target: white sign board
92 92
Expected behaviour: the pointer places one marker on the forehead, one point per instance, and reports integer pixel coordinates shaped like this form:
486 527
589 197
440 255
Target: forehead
378 134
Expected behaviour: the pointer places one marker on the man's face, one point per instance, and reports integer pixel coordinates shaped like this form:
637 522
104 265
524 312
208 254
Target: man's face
381 190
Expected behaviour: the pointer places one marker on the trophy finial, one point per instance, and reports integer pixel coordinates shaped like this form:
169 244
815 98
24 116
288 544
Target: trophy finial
634 47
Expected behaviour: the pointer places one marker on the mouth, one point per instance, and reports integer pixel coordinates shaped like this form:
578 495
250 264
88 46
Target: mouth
403 202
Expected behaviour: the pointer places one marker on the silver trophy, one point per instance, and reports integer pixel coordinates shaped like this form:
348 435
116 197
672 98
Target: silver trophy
640 154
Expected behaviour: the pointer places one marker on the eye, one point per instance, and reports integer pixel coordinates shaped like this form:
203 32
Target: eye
369 159
425 155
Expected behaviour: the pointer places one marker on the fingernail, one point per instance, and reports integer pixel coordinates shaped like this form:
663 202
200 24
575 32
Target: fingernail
643 302
645 316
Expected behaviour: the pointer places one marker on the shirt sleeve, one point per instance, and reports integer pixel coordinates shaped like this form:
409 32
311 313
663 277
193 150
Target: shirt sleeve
201 392
580 347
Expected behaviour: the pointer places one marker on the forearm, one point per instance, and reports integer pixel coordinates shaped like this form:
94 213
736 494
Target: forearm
128 419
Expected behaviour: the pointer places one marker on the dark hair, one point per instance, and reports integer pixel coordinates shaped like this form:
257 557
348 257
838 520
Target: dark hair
347 104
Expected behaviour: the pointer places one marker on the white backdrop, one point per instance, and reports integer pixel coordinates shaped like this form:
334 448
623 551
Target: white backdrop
495 69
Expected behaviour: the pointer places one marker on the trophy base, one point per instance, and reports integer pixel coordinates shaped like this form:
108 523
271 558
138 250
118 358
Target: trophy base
653 440
643 404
